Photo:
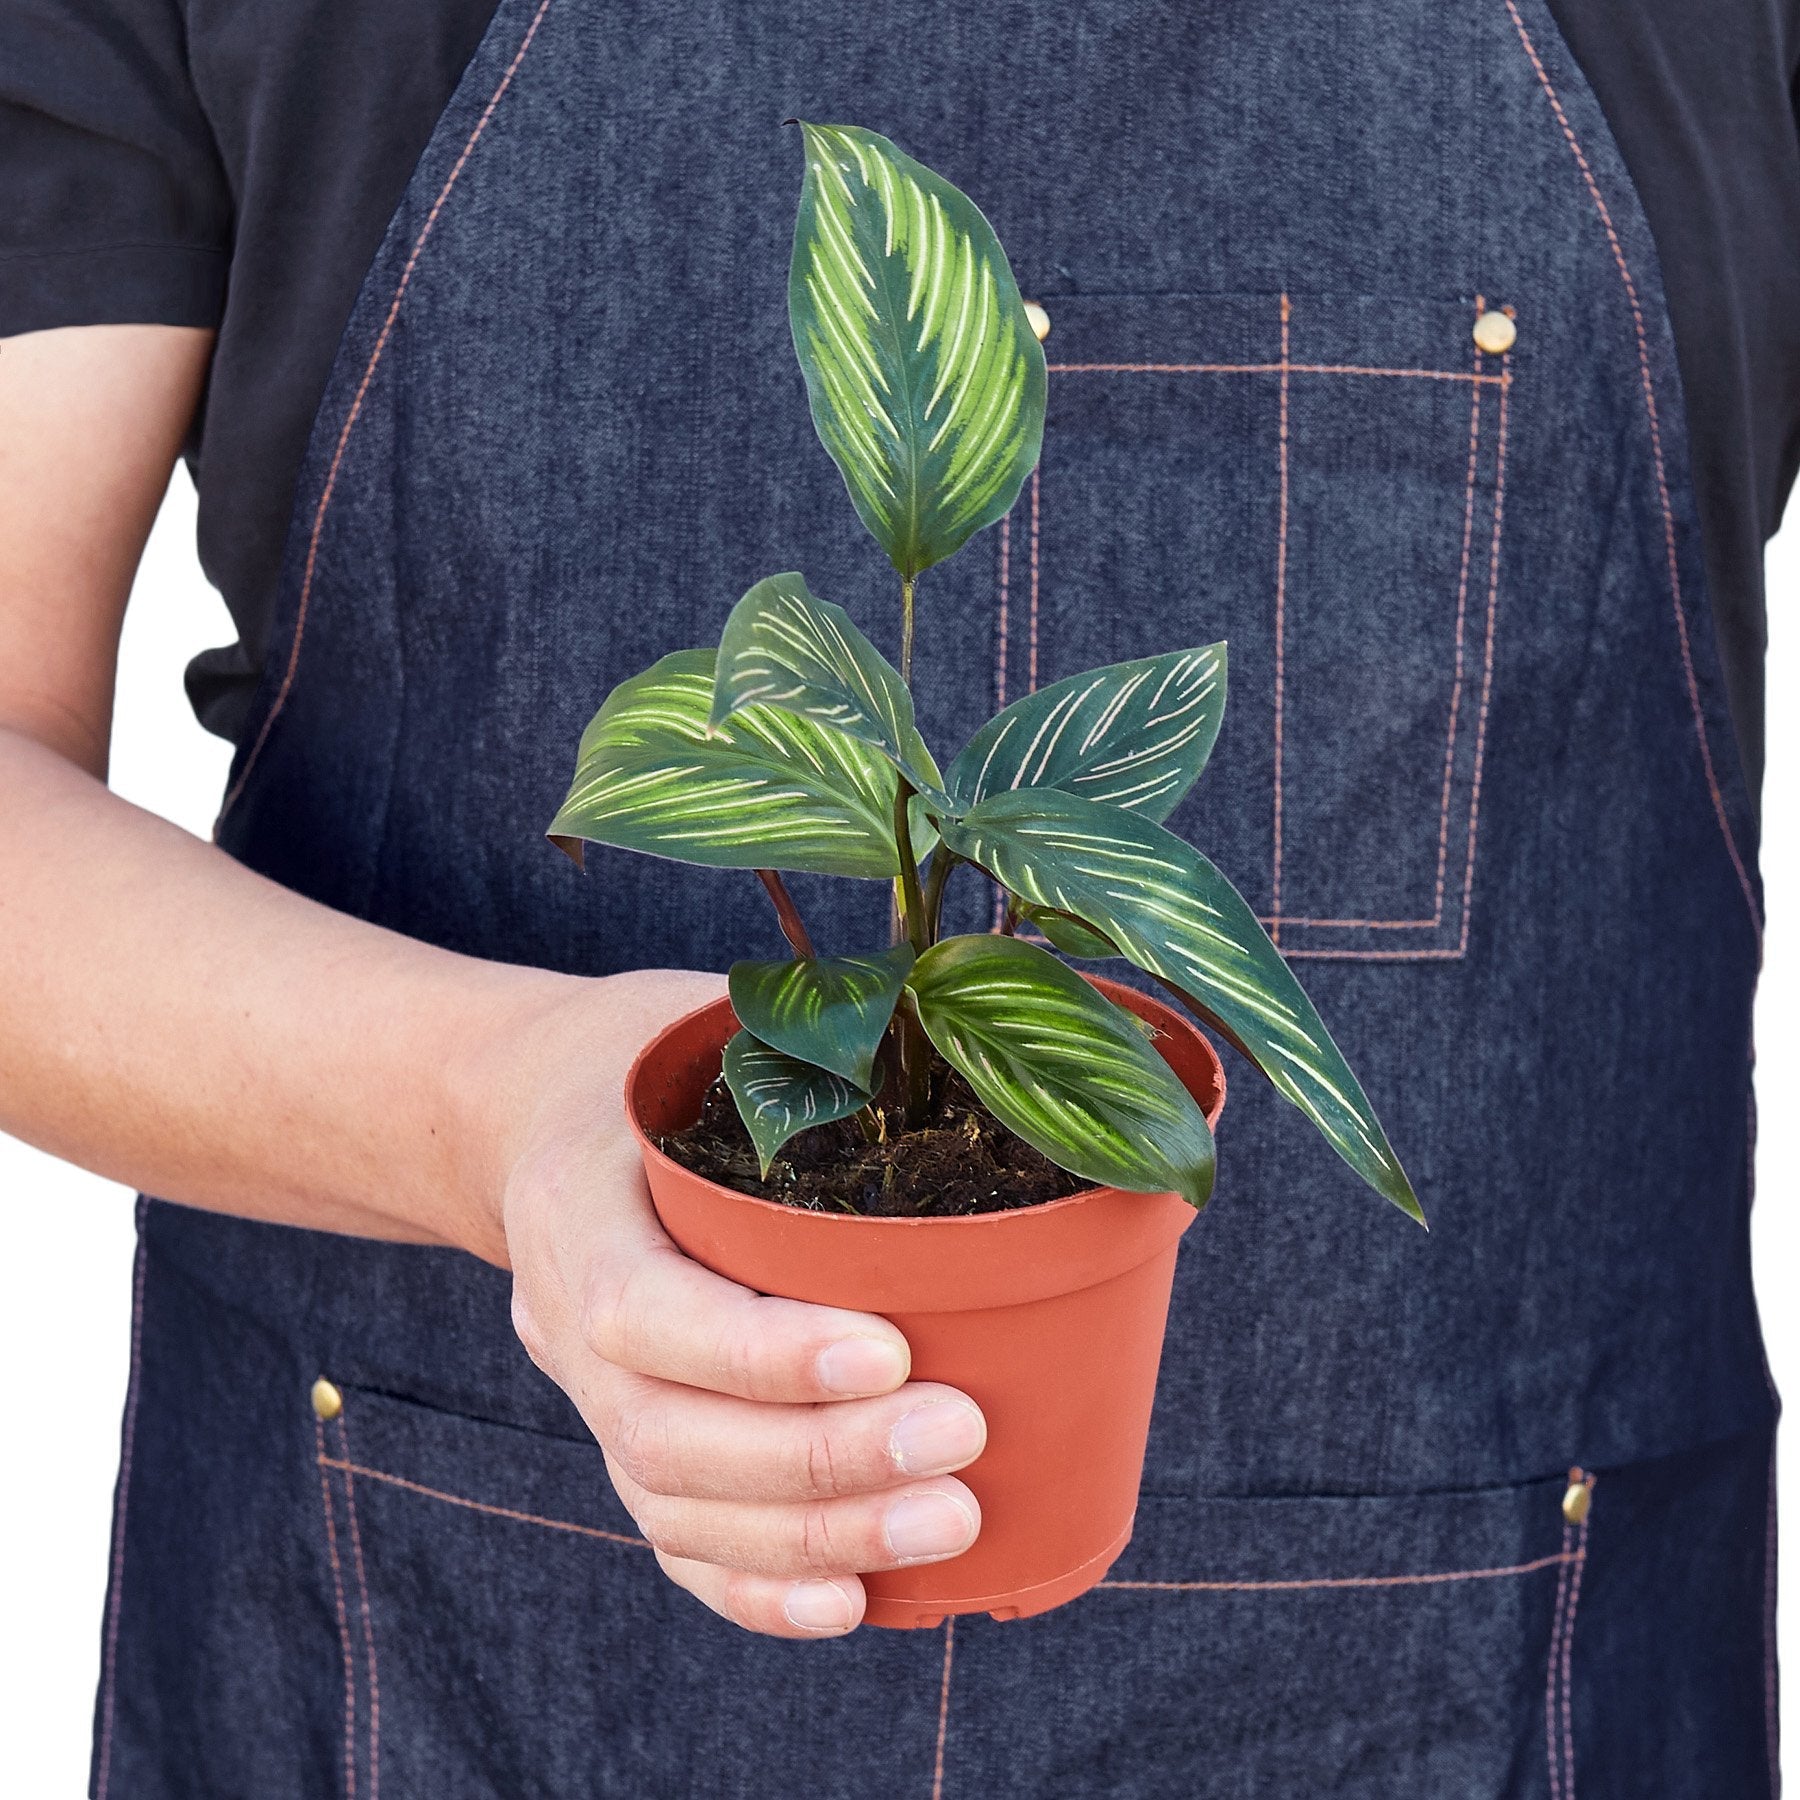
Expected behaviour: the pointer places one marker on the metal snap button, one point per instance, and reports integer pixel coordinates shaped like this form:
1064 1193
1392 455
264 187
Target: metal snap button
1495 333
1040 320
327 1402
1576 1501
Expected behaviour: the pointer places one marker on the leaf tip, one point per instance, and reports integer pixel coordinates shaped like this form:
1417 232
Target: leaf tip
571 847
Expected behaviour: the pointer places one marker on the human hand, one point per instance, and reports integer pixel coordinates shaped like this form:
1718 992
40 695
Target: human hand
771 1451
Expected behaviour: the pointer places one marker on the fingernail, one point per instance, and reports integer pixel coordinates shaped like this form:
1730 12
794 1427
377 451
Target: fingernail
939 1436
818 1606
862 1365
922 1526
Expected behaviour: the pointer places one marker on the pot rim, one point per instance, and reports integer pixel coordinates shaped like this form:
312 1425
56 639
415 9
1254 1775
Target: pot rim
1147 1006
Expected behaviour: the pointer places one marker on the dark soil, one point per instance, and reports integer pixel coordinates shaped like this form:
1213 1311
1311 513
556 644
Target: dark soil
964 1161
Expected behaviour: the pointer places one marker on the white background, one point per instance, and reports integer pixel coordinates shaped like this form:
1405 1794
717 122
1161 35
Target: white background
65 1300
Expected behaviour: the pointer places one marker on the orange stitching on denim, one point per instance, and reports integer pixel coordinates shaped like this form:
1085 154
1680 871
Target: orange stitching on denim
1550 1663
108 1685
1487 673
1031 660
1359 924
1275 920
343 1617
1281 550
480 1506
1001 622
1662 480
1336 1581
356 406
1568 1642
368 1622
1462 604
1274 368
943 1730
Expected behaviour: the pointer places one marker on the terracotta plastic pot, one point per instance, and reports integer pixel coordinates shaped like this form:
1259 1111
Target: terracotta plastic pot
1049 1317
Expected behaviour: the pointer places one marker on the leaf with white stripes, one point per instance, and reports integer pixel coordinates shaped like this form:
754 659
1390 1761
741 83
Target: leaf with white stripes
1134 734
784 648
830 1011
767 791
778 1095
1072 1073
1171 912
926 380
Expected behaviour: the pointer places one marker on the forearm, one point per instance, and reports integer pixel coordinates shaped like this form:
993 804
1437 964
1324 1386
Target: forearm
171 1020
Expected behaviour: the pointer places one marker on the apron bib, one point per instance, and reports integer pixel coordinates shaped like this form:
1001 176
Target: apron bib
1477 774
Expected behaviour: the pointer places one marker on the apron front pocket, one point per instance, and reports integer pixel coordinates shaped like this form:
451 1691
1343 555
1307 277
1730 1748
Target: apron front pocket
1319 480
1399 1647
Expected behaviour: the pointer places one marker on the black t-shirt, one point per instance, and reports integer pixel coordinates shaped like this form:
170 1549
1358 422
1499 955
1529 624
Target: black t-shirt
234 163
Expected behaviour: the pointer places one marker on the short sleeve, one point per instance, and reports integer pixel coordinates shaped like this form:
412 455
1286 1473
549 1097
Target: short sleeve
114 208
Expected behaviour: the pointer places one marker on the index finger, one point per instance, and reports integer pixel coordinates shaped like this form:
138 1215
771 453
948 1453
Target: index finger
659 1313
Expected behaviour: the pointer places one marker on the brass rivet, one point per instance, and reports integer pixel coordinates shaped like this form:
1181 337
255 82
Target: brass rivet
1495 333
327 1401
1576 1501
1040 320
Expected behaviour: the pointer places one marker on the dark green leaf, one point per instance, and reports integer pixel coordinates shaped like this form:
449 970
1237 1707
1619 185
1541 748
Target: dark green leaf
926 380
784 648
778 1095
1171 912
767 791
1070 1072
1135 734
830 1011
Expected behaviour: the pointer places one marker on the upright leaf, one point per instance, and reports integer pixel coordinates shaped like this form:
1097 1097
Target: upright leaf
1171 912
1135 734
784 648
829 1010
768 791
926 380
1070 1072
778 1095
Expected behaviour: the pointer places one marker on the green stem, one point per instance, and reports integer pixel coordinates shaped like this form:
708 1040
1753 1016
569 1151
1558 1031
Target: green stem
936 877
906 627
913 922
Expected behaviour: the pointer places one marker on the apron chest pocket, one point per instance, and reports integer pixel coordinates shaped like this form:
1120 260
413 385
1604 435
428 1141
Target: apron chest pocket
1320 480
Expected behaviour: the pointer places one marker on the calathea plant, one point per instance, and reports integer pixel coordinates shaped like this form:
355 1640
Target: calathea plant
792 747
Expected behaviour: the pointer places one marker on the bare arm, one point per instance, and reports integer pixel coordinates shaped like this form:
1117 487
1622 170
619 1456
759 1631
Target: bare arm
172 1020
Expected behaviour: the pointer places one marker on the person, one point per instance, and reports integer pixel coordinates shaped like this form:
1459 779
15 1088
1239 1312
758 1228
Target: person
1446 361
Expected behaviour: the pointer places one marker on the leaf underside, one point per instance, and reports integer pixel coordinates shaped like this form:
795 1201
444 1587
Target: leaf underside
926 381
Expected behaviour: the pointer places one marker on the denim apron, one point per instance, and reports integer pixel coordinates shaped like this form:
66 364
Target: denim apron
1480 1513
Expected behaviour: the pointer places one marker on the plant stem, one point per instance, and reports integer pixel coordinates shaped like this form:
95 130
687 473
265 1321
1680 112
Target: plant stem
793 927
936 876
913 922
906 627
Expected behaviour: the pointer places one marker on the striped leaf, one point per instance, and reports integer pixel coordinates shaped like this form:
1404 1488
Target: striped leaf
784 648
926 380
1135 734
830 1011
1064 1067
767 791
1171 912
778 1095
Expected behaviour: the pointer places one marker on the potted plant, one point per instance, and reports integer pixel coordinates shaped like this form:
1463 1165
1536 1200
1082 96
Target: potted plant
960 1132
